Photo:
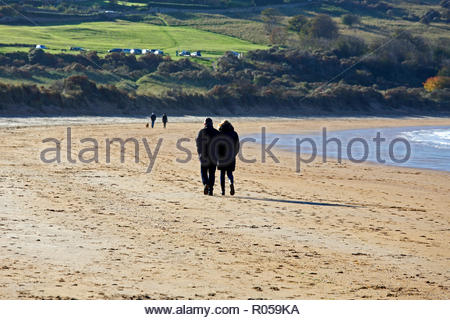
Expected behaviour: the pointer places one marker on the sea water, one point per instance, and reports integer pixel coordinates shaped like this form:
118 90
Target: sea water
429 147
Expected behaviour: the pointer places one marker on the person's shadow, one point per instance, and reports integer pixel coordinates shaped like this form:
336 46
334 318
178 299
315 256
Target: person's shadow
324 204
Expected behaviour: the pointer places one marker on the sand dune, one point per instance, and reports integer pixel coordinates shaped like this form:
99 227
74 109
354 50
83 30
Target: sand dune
333 231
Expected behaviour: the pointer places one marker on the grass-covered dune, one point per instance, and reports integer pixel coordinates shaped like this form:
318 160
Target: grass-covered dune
102 36
88 84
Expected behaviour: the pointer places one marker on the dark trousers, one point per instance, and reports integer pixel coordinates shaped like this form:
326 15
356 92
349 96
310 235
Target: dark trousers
229 175
164 123
153 123
208 175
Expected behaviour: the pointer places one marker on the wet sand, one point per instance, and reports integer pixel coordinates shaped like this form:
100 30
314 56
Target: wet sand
111 231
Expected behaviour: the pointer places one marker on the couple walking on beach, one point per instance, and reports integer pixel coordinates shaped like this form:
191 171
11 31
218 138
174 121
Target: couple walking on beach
153 120
217 149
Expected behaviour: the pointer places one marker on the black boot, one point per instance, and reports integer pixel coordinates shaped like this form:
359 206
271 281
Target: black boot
222 185
210 191
232 189
205 191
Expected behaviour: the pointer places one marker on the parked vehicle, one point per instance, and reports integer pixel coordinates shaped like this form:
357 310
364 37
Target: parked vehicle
185 53
41 46
136 51
237 54
77 49
196 54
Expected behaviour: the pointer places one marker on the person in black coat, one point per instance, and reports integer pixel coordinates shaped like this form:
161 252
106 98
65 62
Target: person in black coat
227 149
206 153
153 118
164 119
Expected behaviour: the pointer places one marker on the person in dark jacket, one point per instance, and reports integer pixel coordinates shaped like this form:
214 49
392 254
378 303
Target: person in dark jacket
227 149
164 119
206 154
153 118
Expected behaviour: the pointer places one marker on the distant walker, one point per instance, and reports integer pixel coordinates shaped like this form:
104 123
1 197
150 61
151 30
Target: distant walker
153 119
164 120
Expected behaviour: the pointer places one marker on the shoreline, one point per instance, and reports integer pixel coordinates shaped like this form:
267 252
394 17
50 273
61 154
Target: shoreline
48 121
110 231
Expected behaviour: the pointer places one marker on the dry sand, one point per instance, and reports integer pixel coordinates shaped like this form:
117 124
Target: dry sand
334 231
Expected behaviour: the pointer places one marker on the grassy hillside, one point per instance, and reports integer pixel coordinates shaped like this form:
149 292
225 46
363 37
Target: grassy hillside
377 22
380 61
249 26
101 36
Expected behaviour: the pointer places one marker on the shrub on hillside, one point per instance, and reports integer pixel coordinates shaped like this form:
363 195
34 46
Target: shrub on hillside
348 46
350 19
150 61
38 56
322 26
74 67
229 62
115 60
79 83
262 80
338 95
405 97
405 59
297 23
441 97
14 58
15 72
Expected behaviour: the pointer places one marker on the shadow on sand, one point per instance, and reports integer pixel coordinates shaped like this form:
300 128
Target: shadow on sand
324 204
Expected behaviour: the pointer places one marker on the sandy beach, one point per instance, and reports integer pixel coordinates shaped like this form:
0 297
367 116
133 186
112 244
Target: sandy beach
112 231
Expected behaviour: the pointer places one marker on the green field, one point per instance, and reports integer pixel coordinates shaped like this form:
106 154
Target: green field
102 36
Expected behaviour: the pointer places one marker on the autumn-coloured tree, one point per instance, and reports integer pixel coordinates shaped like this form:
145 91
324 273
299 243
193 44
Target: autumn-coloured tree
438 82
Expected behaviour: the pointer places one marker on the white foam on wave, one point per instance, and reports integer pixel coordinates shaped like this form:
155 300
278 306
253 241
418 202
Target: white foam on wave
437 138
429 146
